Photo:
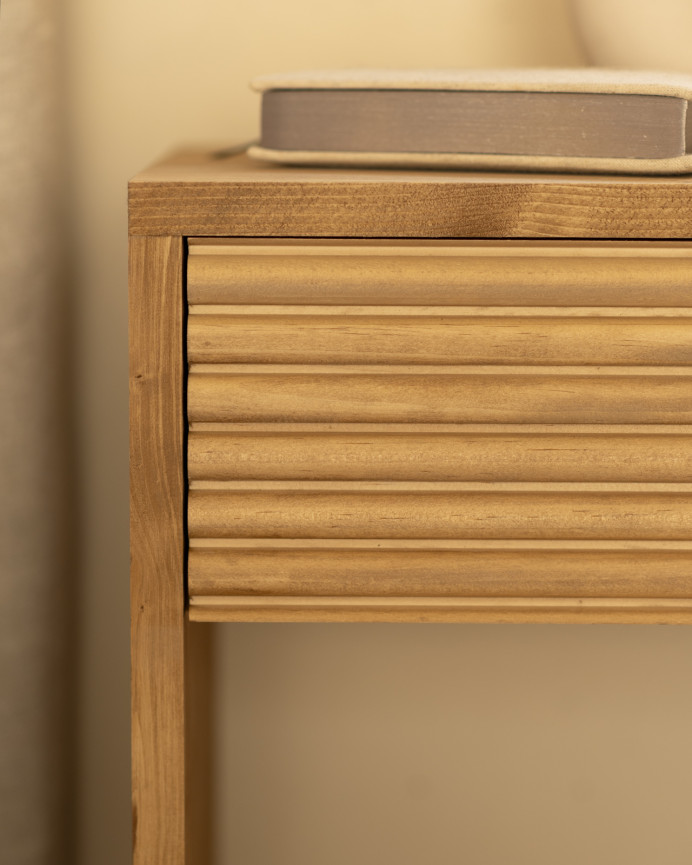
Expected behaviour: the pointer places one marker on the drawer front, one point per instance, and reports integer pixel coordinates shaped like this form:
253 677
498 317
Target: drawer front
439 431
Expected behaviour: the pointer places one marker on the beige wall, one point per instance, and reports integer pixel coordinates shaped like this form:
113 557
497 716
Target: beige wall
36 574
407 744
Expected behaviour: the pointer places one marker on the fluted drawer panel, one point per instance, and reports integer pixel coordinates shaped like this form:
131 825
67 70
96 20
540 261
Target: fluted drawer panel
492 454
489 274
380 394
454 511
440 338
496 569
439 431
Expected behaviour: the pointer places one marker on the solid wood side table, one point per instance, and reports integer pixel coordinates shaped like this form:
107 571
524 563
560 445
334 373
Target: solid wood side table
411 396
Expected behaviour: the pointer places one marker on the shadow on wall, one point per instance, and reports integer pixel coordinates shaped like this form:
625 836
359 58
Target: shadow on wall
38 586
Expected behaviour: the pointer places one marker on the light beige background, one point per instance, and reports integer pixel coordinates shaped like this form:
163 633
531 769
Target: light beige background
37 585
644 35
343 744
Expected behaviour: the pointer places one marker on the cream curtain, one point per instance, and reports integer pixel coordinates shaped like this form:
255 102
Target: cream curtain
36 587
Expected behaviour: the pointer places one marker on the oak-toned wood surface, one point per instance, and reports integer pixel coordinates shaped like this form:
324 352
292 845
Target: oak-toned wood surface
162 824
440 338
500 453
349 400
640 611
445 273
436 511
413 396
494 569
199 193
436 394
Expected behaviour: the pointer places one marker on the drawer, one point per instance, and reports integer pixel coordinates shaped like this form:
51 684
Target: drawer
442 428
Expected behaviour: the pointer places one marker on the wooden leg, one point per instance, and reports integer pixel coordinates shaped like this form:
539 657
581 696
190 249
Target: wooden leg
157 502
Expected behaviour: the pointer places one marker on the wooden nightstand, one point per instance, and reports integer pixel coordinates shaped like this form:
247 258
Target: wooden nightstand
394 396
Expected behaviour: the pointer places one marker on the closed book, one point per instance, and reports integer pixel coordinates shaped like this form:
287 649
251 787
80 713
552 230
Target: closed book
582 120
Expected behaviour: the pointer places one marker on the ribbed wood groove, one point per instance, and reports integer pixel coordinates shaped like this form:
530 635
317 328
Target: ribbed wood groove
434 340
450 397
492 312
439 456
441 573
398 429
429 276
413 487
479 610
474 248
596 515
404 544
555 603
510 370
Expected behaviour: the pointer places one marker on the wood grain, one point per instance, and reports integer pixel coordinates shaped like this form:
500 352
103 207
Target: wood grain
157 551
435 273
198 194
442 456
439 394
567 302
651 571
439 339
370 513
580 610
165 658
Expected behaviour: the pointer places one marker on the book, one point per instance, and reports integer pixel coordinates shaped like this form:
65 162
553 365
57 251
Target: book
561 120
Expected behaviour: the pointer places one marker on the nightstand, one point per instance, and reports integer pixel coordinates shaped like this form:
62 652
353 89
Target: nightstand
393 396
